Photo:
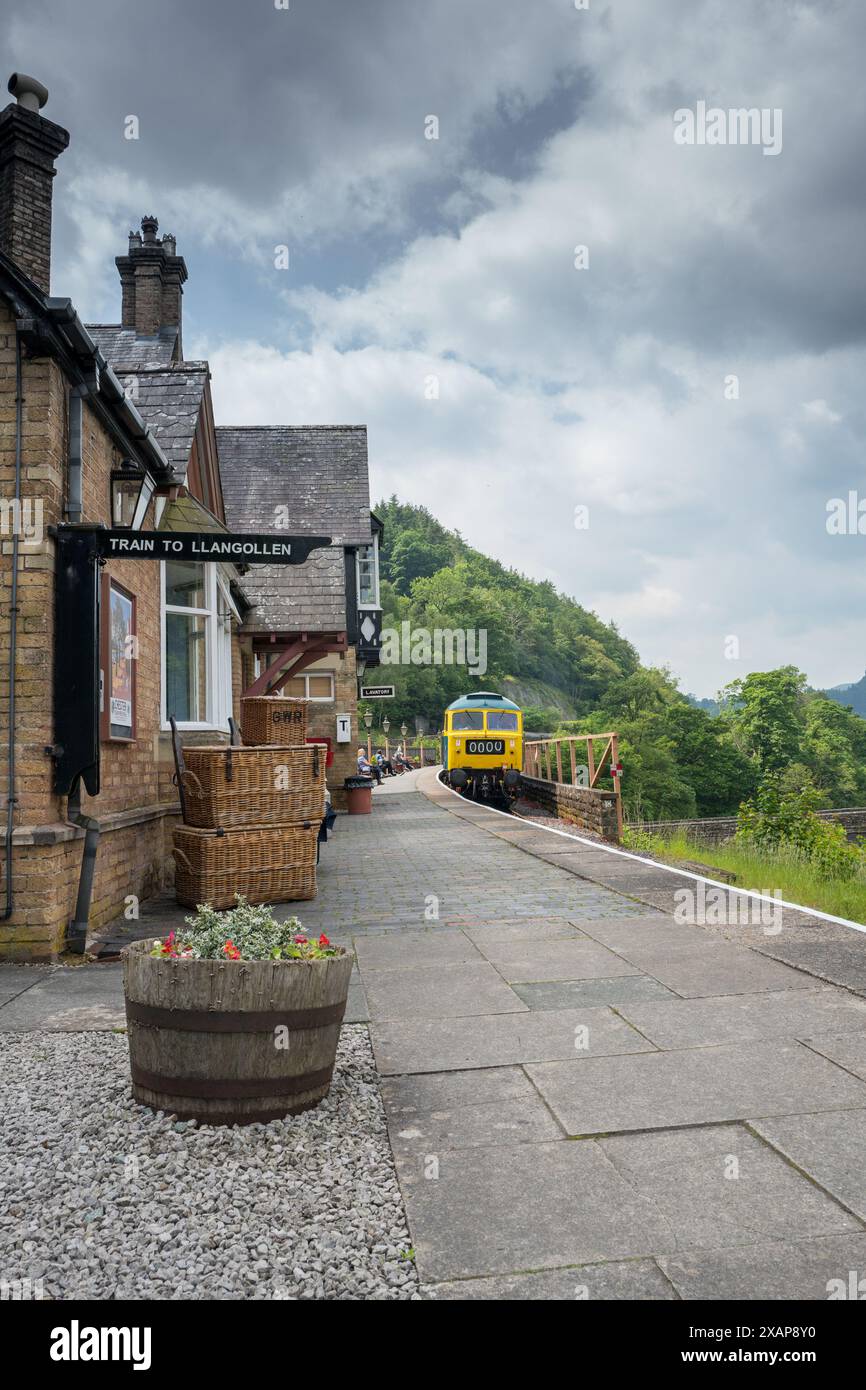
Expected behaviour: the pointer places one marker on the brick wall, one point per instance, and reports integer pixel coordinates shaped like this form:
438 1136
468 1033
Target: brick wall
29 145
587 807
322 719
43 446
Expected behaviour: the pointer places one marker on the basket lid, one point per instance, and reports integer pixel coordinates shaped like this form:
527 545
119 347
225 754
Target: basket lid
271 699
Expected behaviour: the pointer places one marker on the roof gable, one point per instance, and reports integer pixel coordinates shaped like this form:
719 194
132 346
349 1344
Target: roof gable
318 473
170 401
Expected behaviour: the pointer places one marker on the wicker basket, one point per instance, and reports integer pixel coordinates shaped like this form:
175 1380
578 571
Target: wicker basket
226 787
274 719
267 864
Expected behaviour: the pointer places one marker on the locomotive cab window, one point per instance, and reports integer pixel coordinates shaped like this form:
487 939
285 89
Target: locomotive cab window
467 719
504 720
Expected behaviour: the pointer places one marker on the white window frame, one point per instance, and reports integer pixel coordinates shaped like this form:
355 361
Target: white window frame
374 543
305 677
218 613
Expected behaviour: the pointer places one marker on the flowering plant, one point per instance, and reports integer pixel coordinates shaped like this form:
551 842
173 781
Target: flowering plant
243 933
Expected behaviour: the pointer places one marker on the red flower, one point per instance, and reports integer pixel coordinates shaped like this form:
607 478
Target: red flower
323 940
299 940
231 950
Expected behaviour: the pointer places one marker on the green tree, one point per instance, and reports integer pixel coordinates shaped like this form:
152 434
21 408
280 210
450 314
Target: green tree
720 775
834 749
766 713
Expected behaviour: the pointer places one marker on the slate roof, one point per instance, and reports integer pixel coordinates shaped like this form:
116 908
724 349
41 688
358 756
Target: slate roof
123 346
319 473
298 598
168 394
169 400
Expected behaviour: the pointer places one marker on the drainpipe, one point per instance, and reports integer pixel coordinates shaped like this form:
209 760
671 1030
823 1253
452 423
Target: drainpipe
13 636
76 934
74 505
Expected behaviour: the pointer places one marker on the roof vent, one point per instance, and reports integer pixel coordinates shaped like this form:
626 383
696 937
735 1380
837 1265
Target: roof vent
27 91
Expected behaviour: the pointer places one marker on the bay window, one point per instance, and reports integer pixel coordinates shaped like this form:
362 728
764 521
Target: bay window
367 562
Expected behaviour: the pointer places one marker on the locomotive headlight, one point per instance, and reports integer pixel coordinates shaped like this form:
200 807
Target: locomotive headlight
457 744
512 745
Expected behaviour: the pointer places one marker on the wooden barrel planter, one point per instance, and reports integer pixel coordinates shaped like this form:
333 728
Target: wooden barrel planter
232 1042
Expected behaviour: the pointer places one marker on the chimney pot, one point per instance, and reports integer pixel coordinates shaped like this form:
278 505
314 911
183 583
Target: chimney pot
28 92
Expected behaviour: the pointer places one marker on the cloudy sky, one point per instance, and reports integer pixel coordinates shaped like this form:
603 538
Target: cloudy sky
421 265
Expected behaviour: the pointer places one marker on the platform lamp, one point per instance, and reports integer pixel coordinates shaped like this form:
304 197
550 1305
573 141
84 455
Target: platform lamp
404 731
421 730
131 490
368 721
386 724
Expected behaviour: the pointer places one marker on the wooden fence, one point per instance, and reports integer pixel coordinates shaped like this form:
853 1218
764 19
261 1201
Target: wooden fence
561 760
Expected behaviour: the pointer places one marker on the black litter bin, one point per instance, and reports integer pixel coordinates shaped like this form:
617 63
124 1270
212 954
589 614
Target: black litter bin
359 795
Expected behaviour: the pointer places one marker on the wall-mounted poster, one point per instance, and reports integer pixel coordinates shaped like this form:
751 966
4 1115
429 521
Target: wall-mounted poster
117 704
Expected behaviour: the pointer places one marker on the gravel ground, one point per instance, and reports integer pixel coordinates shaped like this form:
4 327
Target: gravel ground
101 1198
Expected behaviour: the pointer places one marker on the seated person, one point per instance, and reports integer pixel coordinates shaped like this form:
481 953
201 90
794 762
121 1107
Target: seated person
368 769
385 765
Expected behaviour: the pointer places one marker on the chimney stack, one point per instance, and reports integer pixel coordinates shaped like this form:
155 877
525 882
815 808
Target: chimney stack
29 145
151 278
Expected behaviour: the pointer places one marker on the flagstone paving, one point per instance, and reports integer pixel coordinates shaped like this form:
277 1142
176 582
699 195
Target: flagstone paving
585 1098
601 1095
849 1051
828 1147
782 1270
742 1018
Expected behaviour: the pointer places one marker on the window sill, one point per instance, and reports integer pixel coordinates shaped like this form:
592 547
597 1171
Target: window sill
192 728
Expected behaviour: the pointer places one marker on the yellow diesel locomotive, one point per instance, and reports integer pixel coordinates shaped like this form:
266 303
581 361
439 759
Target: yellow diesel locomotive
482 747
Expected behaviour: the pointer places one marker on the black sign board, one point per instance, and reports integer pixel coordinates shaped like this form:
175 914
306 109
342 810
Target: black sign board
202 545
81 550
485 747
378 692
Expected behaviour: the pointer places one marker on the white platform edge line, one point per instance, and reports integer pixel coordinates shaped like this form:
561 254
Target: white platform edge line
669 868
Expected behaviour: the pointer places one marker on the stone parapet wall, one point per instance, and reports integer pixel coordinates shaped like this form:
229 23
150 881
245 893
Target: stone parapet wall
714 829
587 807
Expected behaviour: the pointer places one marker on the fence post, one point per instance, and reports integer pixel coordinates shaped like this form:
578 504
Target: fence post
614 758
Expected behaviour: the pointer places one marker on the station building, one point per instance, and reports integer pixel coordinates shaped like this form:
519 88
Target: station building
109 426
